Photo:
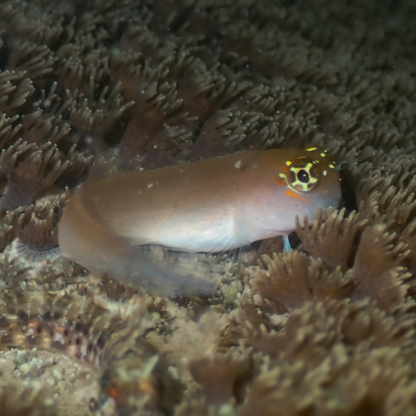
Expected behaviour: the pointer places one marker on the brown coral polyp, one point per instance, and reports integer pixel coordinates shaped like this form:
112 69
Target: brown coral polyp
29 169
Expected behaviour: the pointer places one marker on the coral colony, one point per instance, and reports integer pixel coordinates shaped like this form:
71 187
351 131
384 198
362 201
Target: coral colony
90 89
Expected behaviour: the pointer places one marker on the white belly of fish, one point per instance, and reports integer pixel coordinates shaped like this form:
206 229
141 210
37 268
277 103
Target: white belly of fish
205 235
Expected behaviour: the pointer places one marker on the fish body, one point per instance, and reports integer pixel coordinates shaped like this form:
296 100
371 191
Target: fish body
206 206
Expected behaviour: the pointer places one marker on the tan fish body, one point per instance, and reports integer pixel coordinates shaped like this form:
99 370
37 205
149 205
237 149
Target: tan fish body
207 206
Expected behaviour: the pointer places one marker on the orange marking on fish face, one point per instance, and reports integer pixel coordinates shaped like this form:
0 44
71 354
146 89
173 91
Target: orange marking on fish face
280 181
293 195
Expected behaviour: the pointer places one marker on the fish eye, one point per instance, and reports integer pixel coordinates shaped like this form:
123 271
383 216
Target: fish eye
302 175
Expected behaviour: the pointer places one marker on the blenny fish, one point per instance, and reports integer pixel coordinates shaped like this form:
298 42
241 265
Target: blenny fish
211 205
